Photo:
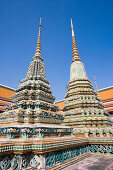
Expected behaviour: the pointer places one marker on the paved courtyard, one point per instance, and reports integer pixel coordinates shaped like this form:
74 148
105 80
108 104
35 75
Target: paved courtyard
93 163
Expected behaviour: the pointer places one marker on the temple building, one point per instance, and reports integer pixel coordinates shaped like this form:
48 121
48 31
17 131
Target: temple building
106 96
35 135
5 96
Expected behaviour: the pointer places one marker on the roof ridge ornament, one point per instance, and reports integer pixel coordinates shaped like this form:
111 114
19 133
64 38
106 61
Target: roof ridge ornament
97 93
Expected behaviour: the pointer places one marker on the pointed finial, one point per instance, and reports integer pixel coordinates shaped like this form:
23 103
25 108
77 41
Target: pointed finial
74 45
72 28
95 83
40 20
38 47
96 87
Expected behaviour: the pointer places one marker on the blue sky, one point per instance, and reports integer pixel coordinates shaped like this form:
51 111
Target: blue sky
93 25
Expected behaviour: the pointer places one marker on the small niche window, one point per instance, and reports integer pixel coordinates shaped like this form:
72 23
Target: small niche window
85 113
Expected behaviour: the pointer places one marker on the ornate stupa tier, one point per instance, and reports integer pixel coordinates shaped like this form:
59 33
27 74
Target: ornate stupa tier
31 116
86 117
80 93
36 69
33 95
83 108
33 111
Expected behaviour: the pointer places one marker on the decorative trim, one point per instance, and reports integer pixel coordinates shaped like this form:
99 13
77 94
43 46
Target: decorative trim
105 89
8 88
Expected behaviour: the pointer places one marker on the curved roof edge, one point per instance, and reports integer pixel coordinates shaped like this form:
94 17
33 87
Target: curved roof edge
6 87
107 88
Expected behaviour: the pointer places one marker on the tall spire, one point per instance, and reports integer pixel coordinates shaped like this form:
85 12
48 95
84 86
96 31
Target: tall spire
38 47
97 93
95 83
74 46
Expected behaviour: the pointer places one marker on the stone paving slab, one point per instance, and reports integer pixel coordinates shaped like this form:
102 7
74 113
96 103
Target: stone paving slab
93 163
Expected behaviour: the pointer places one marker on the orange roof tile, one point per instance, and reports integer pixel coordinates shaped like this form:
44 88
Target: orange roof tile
108 103
106 93
6 92
60 104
